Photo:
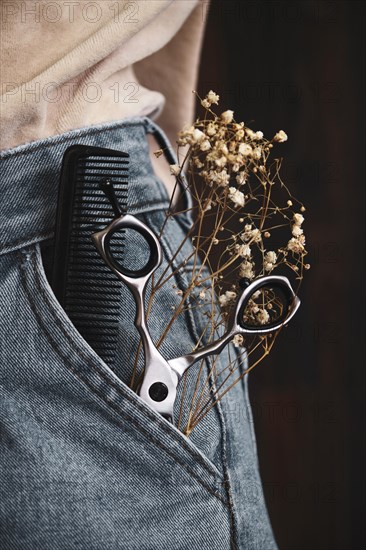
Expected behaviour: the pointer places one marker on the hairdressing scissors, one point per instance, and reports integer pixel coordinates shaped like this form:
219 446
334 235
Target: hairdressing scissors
161 377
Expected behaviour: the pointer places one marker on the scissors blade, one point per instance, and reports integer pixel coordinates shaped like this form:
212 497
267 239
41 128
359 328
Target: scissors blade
180 364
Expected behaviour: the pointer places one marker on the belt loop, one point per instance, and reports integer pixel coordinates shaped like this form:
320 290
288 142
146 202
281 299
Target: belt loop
164 143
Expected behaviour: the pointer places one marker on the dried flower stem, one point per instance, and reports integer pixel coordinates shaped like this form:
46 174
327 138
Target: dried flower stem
239 204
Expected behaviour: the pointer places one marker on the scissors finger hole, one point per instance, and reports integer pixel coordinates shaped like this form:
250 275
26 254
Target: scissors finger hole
267 307
131 252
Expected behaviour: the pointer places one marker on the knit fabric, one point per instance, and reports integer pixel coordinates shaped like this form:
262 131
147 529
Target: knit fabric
67 65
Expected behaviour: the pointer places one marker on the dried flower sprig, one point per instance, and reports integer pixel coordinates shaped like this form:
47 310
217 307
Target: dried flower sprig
246 224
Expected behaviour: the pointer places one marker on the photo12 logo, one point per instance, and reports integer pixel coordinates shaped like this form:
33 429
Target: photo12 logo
69 11
52 92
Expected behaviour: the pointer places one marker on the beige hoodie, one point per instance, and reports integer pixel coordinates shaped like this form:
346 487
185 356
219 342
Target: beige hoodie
67 64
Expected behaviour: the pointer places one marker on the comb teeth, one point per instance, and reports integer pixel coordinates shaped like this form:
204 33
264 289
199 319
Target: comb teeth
86 288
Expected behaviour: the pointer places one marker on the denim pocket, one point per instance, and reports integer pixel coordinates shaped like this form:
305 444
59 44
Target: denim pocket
74 353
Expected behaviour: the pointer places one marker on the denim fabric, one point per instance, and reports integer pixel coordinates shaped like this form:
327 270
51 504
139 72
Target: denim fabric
85 463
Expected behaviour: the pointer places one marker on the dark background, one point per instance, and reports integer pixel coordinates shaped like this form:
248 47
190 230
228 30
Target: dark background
299 66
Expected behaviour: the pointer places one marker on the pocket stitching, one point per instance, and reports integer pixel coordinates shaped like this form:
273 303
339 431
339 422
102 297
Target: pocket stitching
119 390
224 434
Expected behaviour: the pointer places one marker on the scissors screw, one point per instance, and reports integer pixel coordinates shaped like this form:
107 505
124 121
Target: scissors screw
158 391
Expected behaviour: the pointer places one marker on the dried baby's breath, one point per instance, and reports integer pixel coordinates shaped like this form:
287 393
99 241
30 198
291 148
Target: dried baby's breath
246 225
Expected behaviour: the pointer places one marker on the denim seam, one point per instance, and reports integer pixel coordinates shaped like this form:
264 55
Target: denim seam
142 208
8 248
24 241
227 485
197 458
76 133
228 488
249 415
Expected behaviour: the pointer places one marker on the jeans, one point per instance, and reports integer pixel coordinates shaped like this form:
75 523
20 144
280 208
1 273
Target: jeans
84 462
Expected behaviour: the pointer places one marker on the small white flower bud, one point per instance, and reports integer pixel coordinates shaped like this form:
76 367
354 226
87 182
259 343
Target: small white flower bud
174 169
227 116
281 136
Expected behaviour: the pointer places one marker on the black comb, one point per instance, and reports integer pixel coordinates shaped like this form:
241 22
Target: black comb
86 288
